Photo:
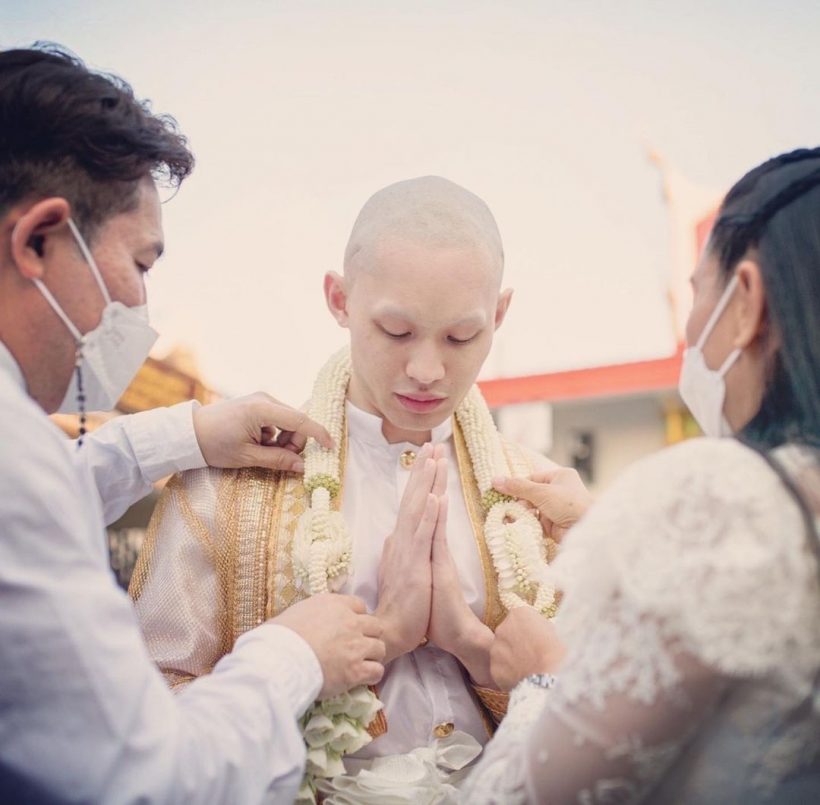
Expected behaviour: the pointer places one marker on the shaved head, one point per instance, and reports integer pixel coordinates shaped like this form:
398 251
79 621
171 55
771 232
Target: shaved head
429 211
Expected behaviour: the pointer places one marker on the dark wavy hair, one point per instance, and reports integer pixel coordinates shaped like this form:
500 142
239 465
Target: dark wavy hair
71 132
774 212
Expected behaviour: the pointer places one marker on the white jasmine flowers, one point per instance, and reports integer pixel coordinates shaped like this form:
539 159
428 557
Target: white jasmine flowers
513 534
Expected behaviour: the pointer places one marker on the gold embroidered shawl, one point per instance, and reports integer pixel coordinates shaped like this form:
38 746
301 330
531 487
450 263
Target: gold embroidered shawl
217 558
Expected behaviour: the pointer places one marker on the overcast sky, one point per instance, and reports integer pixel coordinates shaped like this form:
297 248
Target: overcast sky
298 111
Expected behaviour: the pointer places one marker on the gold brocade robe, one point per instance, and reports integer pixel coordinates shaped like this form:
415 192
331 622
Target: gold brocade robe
241 524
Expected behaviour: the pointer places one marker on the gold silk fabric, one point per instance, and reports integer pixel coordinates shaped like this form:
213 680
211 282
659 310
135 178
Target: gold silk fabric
217 558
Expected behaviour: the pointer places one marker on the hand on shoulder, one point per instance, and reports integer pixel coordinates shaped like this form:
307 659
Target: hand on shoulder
255 431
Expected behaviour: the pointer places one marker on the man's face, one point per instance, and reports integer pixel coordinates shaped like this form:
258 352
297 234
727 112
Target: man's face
124 248
421 322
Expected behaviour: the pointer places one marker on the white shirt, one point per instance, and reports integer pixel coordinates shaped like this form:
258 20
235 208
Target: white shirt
84 714
428 686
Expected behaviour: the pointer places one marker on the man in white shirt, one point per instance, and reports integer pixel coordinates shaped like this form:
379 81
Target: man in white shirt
403 526
84 715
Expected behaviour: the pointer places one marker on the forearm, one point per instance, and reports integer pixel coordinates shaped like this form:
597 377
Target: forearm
239 736
127 455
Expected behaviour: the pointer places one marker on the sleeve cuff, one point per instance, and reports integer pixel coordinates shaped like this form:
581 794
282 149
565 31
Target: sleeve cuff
288 662
164 441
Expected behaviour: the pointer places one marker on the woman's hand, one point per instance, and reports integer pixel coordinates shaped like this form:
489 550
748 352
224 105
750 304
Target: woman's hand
559 495
525 643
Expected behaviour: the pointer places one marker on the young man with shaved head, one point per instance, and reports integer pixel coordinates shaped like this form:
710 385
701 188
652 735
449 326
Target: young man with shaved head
396 515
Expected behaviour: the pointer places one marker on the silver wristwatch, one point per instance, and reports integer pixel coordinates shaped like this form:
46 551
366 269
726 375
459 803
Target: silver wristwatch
541 680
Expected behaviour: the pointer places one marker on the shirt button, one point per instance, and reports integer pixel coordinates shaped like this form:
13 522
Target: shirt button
407 458
444 729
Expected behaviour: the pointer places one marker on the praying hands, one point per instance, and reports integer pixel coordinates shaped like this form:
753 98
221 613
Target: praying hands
420 595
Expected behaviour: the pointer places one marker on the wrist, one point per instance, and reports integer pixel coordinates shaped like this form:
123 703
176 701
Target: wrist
472 650
394 643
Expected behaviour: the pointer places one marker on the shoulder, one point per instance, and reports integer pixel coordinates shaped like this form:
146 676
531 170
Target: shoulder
700 496
208 496
31 443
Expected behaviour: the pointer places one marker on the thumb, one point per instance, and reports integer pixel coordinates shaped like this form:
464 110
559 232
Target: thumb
270 457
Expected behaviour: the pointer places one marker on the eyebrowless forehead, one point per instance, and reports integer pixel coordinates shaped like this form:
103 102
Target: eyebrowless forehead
429 210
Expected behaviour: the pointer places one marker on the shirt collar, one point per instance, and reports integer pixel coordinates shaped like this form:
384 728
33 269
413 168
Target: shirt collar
10 367
366 427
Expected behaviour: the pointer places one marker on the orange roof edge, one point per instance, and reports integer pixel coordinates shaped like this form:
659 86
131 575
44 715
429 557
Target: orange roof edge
659 374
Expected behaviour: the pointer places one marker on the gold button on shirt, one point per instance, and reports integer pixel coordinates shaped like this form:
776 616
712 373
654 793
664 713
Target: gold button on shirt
407 458
443 730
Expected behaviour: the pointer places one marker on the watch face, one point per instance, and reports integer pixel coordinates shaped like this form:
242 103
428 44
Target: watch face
541 680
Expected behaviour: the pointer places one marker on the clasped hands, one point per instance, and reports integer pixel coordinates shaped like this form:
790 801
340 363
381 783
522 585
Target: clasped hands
420 595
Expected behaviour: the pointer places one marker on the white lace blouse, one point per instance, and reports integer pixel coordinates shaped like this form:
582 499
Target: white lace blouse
692 617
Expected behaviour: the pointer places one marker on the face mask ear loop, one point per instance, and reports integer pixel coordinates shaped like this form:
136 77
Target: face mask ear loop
727 364
78 337
716 313
89 258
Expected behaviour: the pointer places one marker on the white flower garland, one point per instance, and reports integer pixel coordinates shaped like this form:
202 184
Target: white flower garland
321 545
513 534
321 555
322 551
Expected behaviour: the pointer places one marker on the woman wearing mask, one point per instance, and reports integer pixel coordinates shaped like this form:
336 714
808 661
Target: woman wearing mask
692 600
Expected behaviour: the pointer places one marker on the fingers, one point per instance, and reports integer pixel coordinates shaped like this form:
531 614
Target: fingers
374 649
440 536
440 482
370 673
535 492
291 441
423 536
274 458
276 414
419 485
355 603
370 625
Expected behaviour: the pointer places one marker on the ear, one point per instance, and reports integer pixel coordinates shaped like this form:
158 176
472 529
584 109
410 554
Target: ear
749 308
502 307
32 232
336 297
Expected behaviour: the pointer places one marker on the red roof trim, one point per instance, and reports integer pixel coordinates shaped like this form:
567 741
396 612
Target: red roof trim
601 381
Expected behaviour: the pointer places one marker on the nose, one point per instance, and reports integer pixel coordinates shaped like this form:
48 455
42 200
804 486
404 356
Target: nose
425 365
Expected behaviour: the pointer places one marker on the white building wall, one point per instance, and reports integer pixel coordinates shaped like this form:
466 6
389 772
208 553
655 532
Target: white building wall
623 430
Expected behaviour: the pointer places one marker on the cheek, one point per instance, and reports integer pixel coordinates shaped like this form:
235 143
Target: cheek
697 320
466 363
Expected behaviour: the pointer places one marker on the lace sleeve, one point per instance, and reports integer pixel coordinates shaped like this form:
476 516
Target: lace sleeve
556 747
180 581
669 583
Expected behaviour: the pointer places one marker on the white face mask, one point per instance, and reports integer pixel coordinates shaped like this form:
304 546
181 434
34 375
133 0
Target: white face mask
702 389
110 354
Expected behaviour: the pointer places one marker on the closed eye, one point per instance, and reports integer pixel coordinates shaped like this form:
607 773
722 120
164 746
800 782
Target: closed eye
454 340
397 336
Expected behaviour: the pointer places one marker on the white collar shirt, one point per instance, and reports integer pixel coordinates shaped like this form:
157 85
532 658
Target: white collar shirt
84 714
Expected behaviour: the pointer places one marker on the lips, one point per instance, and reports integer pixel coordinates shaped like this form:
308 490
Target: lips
420 403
